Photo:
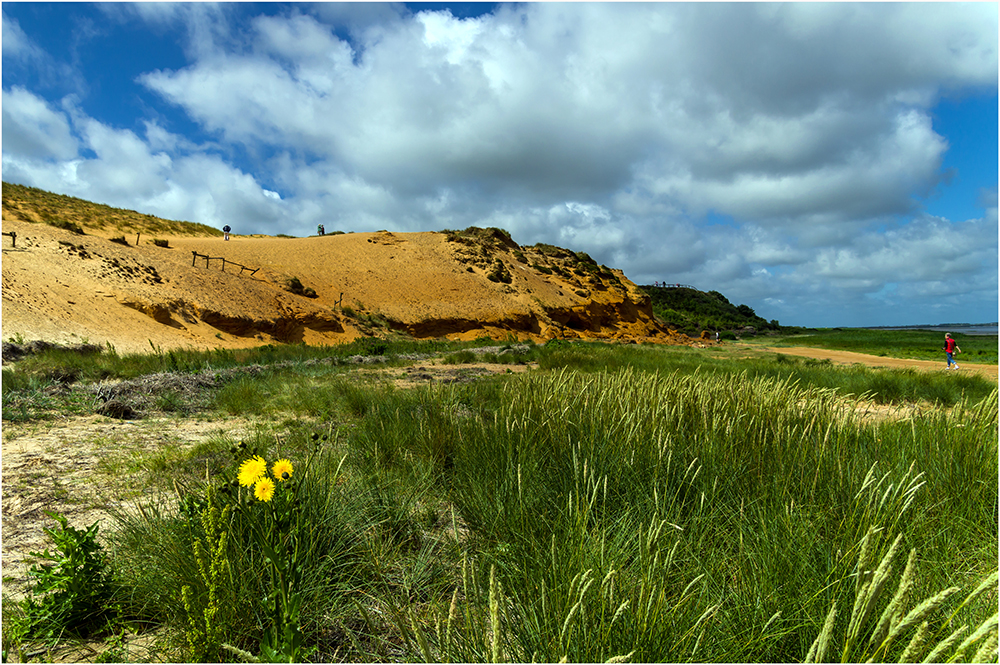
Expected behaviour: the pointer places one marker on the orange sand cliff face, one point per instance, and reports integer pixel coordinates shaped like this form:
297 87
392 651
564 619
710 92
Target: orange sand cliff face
68 288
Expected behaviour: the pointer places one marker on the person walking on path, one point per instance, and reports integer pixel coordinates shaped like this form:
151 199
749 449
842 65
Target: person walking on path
225 229
951 348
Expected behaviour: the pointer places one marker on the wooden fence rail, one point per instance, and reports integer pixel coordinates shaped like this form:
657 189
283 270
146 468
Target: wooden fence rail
195 256
13 238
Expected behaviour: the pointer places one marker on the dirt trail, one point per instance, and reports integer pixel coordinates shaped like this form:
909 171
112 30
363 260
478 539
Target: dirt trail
851 358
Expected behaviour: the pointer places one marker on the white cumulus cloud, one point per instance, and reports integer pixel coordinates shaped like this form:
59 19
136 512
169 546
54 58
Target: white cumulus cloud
616 129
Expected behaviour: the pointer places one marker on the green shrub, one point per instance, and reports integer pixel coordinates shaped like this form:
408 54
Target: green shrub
66 226
499 273
371 346
294 285
460 357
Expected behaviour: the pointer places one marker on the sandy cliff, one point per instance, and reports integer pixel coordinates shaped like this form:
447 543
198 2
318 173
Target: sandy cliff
65 287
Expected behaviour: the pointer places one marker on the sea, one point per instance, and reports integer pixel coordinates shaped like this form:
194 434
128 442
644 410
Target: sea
955 328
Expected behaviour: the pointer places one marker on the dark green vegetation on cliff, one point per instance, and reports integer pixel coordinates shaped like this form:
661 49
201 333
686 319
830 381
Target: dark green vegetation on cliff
691 311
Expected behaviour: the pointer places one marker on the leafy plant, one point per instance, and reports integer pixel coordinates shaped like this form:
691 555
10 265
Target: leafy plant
372 346
72 593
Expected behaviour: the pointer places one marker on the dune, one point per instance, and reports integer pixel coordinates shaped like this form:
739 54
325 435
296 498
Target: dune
65 287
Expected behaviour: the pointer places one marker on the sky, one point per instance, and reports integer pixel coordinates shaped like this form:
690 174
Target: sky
826 164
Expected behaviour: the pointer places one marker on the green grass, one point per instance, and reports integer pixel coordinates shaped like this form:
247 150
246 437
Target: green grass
621 502
887 386
569 480
71 213
916 344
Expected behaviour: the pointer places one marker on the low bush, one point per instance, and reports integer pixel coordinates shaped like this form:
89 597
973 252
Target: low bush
295 286
460 357
66 226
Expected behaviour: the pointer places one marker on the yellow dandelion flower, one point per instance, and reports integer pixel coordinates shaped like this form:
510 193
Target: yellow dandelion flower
251 470
282 469
264 489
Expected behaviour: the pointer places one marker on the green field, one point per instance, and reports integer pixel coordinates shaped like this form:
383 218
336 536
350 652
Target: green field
616 503
916 344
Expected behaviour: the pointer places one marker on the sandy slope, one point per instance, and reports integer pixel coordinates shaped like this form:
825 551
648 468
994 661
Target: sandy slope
65 287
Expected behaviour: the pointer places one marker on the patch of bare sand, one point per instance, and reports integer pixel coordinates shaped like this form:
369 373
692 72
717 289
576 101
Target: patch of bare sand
80 467
429 372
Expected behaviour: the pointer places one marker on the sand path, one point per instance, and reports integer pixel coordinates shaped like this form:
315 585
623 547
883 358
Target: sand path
851 358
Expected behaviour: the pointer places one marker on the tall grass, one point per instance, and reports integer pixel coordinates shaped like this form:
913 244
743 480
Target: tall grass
882 385
750 503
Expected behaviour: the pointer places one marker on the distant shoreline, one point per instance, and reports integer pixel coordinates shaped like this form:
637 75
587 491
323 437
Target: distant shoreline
962 328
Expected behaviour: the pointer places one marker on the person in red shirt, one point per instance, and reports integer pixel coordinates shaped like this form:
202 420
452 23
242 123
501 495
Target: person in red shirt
951 347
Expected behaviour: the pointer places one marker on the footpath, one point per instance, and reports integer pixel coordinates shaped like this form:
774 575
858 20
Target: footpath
851 358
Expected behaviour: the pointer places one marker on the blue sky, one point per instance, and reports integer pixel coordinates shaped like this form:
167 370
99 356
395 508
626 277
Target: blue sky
826 164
